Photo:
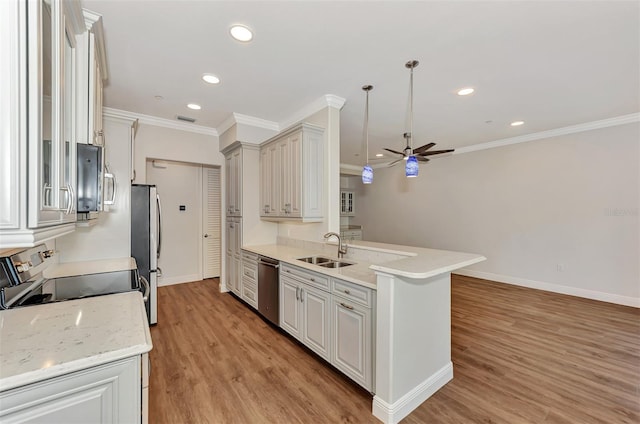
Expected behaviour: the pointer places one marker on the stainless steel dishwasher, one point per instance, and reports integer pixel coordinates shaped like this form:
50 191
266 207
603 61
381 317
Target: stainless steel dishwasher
268 289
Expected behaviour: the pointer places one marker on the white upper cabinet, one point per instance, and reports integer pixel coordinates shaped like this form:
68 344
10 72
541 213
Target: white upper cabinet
292 170
91 68
233 174
38 73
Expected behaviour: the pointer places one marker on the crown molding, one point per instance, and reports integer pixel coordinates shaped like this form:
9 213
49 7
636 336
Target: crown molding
572 129
256 122
328 100
161 122
238 118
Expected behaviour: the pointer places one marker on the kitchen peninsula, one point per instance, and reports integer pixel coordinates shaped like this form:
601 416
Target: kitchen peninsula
411 313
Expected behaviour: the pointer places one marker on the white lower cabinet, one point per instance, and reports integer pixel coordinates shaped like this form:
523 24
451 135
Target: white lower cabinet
233 256
332 317
110 393
305 314
250 278
352 344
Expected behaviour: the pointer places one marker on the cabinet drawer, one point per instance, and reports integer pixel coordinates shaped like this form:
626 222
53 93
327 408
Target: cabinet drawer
307 277
352 292
250 292
249 270
250 257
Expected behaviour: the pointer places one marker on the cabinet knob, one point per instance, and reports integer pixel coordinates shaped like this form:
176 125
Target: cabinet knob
312 279
347 292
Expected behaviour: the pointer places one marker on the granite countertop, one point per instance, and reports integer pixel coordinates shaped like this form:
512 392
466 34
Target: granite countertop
405 261
45 341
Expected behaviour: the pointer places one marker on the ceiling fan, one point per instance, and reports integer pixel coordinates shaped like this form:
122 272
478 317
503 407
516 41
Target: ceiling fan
408 153
419 152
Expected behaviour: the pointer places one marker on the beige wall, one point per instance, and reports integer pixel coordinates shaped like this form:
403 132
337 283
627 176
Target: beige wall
559 214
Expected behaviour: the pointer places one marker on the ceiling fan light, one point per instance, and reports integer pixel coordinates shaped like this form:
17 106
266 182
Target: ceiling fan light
367 174
411 168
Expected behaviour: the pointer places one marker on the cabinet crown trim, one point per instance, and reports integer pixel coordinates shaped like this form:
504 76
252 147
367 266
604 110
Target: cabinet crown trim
305 126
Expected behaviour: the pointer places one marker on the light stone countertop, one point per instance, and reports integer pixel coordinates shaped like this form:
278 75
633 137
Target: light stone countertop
405 261
358 273
70 269
45 341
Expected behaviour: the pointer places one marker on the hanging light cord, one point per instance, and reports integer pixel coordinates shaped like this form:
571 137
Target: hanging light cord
366 125
411 112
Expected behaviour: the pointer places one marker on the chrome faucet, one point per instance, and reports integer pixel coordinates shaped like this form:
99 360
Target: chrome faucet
342 249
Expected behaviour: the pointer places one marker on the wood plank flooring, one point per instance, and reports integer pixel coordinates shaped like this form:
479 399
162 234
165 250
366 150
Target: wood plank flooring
520 356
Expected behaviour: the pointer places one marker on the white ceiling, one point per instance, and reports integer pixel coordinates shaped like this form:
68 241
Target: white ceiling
550 64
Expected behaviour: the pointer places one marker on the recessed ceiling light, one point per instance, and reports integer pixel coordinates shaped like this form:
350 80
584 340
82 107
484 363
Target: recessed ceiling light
210 78
194 106
517 123
241 33
465 91
379 155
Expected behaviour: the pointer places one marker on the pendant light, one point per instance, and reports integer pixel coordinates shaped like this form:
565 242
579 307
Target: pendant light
367 171
411 168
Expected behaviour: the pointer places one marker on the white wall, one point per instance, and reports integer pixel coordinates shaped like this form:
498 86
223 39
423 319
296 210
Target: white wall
178 184
110 237
559 214
153 142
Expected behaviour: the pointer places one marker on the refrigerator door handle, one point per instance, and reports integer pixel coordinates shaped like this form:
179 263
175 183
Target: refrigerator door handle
159 217
145 284
159 272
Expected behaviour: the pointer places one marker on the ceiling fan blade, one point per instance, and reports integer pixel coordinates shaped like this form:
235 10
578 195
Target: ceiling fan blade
421 159
394 151
436 152
424 148
394 162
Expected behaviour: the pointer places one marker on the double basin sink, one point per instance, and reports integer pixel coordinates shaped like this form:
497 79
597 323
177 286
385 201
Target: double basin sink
325 262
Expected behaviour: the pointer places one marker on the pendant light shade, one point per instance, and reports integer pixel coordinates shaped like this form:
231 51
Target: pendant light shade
367 171
411 168
367 174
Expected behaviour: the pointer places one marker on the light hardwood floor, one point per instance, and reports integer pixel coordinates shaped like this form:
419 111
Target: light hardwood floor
520 356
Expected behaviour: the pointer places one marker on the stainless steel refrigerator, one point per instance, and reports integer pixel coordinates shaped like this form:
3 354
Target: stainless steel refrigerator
146 239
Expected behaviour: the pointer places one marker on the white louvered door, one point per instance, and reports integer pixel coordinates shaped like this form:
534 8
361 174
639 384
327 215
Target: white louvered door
211 222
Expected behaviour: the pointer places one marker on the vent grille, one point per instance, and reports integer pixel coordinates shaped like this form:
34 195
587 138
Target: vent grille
185 118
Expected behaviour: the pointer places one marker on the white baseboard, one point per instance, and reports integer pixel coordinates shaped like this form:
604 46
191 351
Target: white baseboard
393 413
551 287
168 281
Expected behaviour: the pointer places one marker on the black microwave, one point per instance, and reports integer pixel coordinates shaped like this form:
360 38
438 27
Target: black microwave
89 179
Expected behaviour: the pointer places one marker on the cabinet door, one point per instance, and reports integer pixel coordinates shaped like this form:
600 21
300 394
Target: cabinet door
285 177
68 163
316 320
109 393
230 271
295 175
352 341
265 181
236 263
236 171
228 195
290 315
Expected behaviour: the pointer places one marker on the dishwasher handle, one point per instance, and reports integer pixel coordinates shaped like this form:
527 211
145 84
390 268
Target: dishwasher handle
271 264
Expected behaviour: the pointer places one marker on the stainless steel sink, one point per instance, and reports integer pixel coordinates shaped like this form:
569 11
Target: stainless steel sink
334 264
316 260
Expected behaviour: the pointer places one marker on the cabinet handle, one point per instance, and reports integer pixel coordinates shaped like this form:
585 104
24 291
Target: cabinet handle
301 297
346 306
70 197
109 176
312 279
98 135
46 195
347 292
297 288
